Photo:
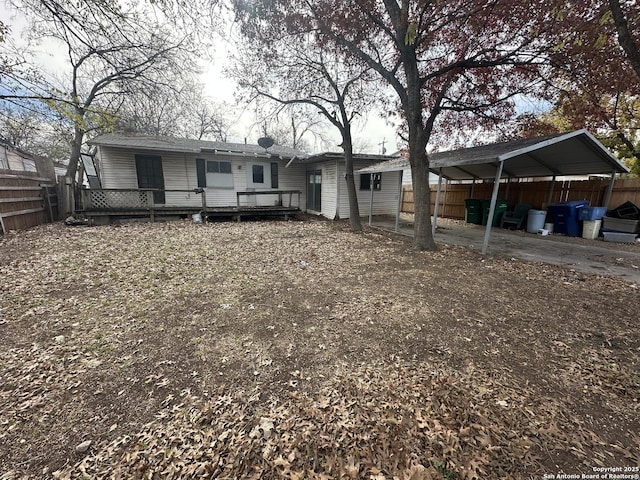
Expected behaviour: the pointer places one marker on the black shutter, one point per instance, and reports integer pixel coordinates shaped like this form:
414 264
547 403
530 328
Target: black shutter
201 169
365 181
274 175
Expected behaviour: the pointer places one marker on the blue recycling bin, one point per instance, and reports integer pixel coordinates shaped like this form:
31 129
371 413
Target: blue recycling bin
592 213
566 217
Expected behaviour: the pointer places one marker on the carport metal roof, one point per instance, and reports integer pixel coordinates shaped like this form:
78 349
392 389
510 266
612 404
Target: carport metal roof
573 153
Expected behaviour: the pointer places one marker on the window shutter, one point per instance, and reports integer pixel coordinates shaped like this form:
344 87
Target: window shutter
274 175
201 170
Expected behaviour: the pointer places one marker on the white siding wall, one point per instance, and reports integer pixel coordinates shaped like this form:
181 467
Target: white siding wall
385 200
328 191
118 170
293 178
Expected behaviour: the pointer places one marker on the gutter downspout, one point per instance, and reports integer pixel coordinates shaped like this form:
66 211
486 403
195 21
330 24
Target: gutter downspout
492 207
399 206
435 208
337 214
290 161
371 200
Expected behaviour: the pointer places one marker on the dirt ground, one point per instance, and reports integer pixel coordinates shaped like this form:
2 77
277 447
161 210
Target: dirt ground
302 350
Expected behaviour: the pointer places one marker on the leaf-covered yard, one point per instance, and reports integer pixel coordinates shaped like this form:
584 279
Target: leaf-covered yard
302 350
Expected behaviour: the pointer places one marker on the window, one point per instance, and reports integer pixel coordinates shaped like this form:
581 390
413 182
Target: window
258 173
274 175
214 173
214 166
225 167
365 181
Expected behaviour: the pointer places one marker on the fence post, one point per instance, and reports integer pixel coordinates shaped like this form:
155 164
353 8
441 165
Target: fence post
65 196
47 201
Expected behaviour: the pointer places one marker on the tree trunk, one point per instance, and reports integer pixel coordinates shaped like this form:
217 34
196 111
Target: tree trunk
423 235
76 148
419 135
354 209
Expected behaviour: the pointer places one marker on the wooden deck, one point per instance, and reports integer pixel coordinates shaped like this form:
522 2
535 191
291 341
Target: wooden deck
103 205
230 213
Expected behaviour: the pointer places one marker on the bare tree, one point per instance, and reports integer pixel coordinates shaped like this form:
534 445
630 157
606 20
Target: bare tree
35 132
302 70
182 110
296 126
112 51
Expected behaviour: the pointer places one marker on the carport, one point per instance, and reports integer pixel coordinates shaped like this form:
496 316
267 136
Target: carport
563 154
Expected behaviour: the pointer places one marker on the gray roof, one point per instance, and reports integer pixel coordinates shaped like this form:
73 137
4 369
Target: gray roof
573 153
172 144
320 157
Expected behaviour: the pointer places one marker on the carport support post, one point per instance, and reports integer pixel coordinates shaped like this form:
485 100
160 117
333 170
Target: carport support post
607 196
435 208
371 199
399 206
492 208
550 196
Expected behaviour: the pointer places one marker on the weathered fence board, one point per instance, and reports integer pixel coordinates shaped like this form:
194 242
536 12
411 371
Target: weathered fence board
26 200
536 194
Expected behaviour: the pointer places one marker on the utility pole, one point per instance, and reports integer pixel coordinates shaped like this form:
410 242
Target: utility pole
382 144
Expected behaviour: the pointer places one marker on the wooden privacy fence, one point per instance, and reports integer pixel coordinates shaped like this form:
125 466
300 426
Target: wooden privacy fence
536 194
26 200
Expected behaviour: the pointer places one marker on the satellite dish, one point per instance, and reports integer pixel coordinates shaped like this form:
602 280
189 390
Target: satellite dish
265 142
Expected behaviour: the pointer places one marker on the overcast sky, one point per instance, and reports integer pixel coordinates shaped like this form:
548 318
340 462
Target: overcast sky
369 133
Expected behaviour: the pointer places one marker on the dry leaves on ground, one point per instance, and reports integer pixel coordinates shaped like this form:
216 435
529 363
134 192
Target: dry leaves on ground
394 421
300 349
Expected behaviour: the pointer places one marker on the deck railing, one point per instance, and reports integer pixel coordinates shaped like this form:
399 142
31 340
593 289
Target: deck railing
123 198
146 198
99 199
281 196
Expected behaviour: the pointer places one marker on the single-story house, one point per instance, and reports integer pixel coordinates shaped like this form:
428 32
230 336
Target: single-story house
327 186
131 174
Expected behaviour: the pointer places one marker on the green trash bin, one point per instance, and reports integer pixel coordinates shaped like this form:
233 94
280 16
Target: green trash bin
501 207
473 211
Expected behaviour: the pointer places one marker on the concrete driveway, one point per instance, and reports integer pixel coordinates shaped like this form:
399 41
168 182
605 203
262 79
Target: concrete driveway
586 256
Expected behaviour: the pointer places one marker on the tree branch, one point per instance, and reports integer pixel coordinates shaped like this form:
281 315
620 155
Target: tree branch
625 39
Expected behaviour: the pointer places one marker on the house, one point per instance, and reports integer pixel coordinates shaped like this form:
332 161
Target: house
327 186
143 175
